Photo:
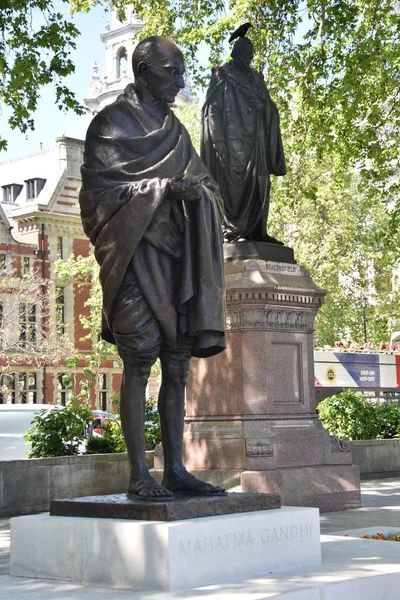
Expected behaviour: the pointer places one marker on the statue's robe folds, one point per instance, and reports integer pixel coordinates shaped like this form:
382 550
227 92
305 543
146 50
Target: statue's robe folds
239 112
134 222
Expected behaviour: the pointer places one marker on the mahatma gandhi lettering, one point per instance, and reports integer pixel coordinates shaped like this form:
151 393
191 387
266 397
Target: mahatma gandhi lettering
245 539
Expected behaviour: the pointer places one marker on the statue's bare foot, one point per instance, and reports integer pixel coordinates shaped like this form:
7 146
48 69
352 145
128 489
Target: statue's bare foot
149 490
186 483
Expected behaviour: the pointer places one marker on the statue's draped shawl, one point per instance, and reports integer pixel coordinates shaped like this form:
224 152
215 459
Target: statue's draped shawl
244 187
125 200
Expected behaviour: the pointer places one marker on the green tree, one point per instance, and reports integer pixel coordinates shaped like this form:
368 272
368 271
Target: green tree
332 68
35 44
331 65
342 234
189 115
84 271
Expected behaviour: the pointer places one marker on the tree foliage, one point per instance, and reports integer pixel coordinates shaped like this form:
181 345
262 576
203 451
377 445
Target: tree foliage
189 115
35 43
332 66
342 234
84 271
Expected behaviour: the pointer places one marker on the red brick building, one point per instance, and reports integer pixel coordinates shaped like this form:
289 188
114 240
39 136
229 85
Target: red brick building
39 313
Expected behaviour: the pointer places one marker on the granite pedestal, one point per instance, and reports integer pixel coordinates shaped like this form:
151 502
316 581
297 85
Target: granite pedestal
250 411
154 555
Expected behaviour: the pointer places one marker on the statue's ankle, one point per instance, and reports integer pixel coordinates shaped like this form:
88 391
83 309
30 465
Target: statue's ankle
175 470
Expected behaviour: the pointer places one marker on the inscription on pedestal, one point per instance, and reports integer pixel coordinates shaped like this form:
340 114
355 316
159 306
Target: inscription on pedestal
252 540
278 267
259 448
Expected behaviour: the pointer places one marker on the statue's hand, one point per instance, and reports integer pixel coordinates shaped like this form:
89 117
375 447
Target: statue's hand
187 187
220 149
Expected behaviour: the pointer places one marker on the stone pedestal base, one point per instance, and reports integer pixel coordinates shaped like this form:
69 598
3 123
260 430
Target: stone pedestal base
251 409
163 555
331 487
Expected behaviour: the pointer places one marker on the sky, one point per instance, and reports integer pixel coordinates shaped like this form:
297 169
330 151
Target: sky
50 122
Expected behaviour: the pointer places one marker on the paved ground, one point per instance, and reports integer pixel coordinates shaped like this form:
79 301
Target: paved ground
381 507
4 547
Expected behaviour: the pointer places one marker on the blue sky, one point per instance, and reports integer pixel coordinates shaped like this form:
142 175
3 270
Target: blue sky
50 122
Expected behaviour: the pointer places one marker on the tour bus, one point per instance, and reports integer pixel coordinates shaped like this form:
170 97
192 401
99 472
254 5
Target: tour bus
376 374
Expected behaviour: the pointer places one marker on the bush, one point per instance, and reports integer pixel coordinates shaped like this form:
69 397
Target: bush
389 420
111 441
348 416
113 438
58 432
152 429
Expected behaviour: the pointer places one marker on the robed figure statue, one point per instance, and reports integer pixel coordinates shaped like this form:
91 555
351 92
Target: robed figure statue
241 144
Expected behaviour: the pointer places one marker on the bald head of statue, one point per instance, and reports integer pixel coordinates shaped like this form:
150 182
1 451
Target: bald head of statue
159 65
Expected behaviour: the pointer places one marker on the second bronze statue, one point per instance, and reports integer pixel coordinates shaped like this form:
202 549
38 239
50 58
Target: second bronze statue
241 144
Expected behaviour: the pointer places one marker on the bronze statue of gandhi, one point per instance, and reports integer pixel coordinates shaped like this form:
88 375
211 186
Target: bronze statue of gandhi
153 213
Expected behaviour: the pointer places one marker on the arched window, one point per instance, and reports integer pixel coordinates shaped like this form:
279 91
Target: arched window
122 62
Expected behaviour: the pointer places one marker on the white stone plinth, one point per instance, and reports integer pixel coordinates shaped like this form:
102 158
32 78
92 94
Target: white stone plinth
167 556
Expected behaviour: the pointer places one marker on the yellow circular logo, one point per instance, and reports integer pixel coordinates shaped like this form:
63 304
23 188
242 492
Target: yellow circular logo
330 374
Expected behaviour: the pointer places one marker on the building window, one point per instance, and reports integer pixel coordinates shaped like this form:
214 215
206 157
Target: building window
3 390
62 392
26 265
18 388
60 310
60 253
11 192
3 264
27 388
8 387
122 62
27 324
7 194
103 393
34 187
